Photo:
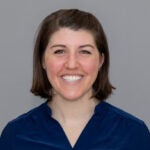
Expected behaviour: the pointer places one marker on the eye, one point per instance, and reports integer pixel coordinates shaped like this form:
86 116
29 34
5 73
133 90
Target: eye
85 52
59 51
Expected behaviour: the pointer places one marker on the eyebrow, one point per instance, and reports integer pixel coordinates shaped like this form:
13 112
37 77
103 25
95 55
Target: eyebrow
81 46
58 45
86 45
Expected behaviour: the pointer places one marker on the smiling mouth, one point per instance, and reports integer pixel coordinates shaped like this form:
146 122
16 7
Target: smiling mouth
72 78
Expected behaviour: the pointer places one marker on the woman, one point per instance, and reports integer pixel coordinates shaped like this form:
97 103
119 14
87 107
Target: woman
71 65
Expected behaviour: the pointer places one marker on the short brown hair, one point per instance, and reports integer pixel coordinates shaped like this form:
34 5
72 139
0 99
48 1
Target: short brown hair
74 19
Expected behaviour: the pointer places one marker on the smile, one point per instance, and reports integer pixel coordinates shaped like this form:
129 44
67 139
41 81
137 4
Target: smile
71 78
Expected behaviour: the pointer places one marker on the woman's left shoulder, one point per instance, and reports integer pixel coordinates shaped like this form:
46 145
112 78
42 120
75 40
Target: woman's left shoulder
127 121
122 114
127 127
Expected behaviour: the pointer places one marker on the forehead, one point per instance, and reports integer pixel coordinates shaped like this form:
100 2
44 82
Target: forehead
70 36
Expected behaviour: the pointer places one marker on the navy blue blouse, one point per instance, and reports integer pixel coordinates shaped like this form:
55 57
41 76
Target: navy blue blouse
109 129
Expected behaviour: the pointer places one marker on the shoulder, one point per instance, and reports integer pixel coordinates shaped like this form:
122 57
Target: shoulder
32 114
24 121
119 120
121 114
127 123
130 126
120 128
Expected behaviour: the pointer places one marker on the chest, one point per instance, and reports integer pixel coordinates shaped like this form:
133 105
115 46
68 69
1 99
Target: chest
53 136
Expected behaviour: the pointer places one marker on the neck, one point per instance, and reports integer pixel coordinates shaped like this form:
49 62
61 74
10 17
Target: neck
76 110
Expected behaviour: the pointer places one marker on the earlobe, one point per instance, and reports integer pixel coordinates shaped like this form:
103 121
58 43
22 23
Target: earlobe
43 65
102 59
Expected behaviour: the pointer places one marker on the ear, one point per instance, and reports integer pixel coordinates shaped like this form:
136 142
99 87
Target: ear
101 60
43 63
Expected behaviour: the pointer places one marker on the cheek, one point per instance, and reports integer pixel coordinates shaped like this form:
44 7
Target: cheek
52 67
91 66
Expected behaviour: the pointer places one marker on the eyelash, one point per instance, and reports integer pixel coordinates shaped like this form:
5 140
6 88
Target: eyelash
60 51
85 52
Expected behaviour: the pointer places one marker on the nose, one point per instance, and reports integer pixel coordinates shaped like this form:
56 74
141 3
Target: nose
72 61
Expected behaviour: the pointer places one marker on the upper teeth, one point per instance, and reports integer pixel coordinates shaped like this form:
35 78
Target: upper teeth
72 78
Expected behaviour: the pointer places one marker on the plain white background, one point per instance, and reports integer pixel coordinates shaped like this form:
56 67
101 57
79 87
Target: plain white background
127 26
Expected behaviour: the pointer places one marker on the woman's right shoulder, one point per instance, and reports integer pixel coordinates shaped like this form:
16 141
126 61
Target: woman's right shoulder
23 122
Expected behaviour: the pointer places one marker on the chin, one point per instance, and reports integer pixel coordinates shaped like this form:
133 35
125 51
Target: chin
73 97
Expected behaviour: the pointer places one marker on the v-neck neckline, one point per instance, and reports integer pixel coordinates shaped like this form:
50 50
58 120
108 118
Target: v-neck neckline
90 124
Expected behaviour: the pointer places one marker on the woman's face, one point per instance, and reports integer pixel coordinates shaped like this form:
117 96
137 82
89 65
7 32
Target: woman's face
72 61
